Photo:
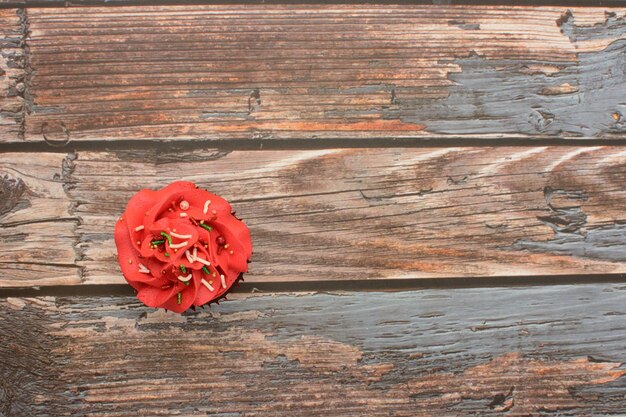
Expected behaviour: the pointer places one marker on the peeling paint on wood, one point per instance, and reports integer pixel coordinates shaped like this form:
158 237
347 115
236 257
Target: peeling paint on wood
338 214
251 71
533 351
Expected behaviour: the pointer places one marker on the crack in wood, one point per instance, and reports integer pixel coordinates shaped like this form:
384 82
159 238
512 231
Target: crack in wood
571 234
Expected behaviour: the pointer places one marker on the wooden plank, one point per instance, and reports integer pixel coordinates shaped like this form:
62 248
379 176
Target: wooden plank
532 351
252 71
13 64
67 3
346 214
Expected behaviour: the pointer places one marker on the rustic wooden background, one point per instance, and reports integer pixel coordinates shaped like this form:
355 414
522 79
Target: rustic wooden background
436 194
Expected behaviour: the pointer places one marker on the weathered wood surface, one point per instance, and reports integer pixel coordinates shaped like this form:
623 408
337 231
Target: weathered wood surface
311 71
333 214
539 351
38 229
13 64
69 3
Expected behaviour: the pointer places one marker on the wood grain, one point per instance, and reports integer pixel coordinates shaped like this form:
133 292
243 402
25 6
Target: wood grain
68 3
38 231
518 352
252 71
13 69
338 214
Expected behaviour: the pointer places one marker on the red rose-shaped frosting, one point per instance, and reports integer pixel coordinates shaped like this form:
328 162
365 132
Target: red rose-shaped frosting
181 246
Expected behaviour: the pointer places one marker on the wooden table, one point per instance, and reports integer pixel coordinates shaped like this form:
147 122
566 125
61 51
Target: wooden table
436 195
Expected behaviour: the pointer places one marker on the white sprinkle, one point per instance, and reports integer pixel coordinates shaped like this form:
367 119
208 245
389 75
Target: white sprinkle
184 279
183 214
179 245
189 257
223 281
206 206
184 205
195 253
203 261
206 284
138 228
180 236
143 269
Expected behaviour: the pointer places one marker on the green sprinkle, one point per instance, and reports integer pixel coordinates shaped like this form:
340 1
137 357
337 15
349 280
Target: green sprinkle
186 283
182 268
166 254
209 228
157 242
206 270
168 237
180 298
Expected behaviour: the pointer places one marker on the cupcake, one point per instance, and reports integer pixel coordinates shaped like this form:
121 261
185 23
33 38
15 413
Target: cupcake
181 246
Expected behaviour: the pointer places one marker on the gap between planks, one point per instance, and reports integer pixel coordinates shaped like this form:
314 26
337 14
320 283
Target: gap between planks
357 285
433 142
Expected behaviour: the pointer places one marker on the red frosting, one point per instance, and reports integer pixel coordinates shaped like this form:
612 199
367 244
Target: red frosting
195 221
